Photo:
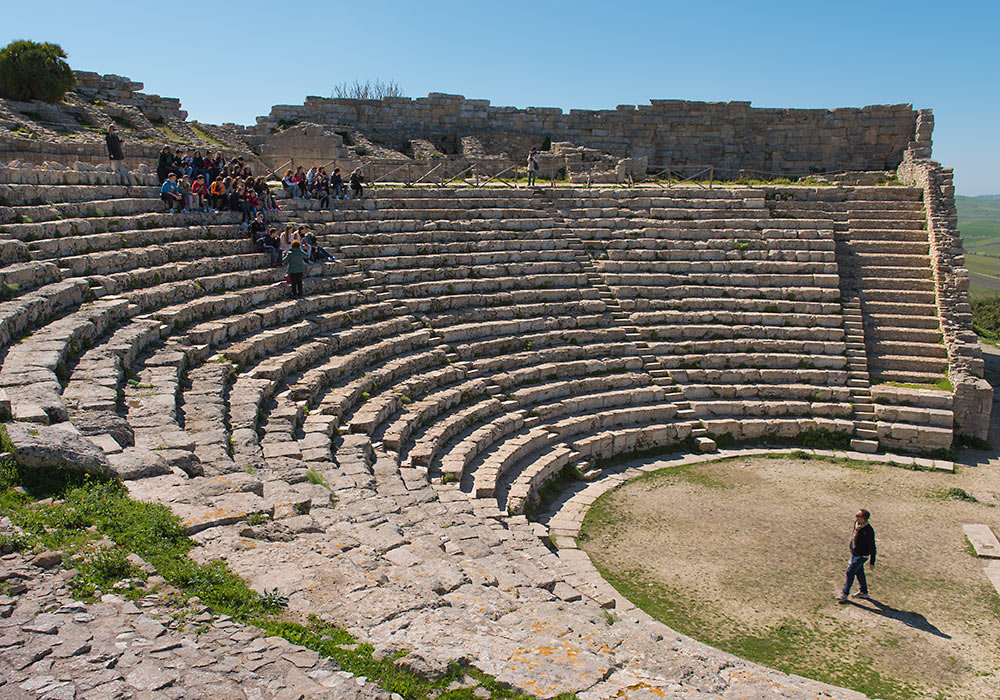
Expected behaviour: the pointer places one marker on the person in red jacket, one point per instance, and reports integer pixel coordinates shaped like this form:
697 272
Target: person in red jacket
249 203
199 193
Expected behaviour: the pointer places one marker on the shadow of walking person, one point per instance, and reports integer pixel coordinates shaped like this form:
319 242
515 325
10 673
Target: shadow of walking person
908 618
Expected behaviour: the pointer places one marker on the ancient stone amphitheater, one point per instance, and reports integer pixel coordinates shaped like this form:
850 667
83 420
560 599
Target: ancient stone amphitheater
469 345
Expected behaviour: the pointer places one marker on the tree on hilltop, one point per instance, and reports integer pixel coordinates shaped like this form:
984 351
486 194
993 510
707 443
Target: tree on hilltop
33 71
367 90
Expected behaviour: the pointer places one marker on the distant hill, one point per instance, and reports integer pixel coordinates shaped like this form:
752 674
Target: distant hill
979 223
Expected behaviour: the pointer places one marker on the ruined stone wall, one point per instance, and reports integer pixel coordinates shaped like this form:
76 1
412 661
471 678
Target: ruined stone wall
732 136
973 396
121 90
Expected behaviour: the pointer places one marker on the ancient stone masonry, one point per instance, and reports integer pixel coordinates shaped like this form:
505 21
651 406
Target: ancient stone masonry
73 130
732 136
973 396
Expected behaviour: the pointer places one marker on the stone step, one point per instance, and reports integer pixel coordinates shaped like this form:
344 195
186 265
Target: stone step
983 541
867 446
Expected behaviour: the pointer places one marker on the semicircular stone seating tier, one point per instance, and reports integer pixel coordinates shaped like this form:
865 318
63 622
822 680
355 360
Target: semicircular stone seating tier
466 347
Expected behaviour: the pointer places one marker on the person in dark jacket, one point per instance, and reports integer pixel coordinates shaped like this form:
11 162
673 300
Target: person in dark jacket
356 180
116 155
862 548
295 259
165 164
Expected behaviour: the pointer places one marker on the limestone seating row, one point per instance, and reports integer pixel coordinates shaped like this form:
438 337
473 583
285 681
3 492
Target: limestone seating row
508 451
113 261
323 311
420 396
774 311
481 245
11 216
136 239
350 375
810 347
532 341
732 240
31 310
697 256
594 229
263 344
820 378
770 408
429 407
403 356
30 370
17 195
13 251
737 280
660 329
748 429
249 289
26 276
506 372
167 365
461 304
132 228
363 228
53 173
727 359
559 456
121 271
95 384
424 284
471 314
256 385
840 194
473 260
434 405
433 439
623 264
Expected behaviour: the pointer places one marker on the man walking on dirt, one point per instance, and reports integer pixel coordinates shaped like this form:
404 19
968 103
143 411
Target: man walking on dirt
862 547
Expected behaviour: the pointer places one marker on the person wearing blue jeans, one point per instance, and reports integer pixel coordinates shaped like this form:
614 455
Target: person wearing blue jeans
862 549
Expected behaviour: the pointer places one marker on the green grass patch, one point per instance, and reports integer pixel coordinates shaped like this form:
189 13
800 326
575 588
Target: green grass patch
204 135
786 646
332 642
943 384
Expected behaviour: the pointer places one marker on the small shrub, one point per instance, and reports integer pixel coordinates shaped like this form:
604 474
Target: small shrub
959 494
34 71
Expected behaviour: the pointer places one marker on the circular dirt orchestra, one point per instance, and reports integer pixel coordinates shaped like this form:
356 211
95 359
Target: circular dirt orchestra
748 555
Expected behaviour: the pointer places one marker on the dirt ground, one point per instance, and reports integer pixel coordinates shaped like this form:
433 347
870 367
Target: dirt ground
748 555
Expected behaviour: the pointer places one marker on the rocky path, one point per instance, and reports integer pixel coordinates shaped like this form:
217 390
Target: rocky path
55 648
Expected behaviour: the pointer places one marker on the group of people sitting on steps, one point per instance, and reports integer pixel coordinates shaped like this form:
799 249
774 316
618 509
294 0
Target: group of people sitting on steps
267 238
316 184
247 195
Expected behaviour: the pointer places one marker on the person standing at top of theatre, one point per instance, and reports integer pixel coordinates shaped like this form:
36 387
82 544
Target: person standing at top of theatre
532 166
862 547
115 153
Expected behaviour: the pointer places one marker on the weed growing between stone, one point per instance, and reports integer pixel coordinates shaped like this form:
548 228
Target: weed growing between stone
98 529
359 659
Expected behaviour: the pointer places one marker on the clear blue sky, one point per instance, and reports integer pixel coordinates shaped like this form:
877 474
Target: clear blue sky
231 61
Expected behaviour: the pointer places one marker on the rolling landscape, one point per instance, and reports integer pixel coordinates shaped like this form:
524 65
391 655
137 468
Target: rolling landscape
979 222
